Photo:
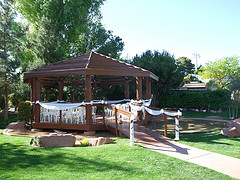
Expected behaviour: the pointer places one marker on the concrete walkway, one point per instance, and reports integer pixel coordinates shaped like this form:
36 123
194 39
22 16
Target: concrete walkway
156 142
218 162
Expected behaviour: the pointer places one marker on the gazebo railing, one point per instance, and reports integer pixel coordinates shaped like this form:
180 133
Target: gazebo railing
117 114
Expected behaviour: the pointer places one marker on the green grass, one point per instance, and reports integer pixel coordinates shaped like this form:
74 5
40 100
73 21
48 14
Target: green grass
113 161
194 114
212 141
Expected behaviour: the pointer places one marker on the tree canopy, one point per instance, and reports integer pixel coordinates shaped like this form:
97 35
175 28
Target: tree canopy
63 29
222 70
164 66
10 52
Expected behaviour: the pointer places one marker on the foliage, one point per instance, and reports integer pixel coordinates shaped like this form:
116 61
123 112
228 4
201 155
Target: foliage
12 118
186 65
111 161
212 85
164 66
84 142
112 46
222 70
189 78
234 103
20 92
10 49
63 29
24 111
209 100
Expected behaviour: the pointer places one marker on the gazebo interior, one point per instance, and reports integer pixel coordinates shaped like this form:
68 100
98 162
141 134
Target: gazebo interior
88 71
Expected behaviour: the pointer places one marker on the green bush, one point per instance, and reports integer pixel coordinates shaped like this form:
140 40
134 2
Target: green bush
84 142
24 111
212 100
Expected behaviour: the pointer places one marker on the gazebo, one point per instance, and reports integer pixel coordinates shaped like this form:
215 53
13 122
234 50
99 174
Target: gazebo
87 71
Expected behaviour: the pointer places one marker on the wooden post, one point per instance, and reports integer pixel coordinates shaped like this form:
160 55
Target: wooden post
146 118
148 88
37 98
126 92
103 114
72 94
116 124
60 90
33 99
95 88
88 98
60 117
165 125
139 88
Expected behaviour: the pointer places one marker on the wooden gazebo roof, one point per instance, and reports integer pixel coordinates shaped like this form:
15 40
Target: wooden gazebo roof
89 64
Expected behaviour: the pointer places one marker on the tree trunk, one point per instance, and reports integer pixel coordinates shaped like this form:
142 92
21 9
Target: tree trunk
237 104
6 104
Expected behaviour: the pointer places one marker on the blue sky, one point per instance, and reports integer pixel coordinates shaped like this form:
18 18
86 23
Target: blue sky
182 27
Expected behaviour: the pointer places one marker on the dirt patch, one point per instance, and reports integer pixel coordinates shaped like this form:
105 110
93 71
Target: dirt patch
79 135
187 125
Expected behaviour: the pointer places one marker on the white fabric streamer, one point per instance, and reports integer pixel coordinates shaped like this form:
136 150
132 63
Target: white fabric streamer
59 106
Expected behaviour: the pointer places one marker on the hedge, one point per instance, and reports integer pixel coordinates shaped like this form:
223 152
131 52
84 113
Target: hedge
210 100
24 111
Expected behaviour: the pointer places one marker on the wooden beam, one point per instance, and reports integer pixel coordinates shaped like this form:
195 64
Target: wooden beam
73 84
60 90
116 123
37 92
94 88
88 98
148 88
139 88
46 83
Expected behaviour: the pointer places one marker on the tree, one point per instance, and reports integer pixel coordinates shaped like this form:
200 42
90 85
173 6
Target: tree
233 106
222 70
164 66
10 33
63 29
20 93
186 65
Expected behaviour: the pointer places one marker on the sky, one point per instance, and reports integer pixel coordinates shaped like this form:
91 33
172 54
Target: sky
182 27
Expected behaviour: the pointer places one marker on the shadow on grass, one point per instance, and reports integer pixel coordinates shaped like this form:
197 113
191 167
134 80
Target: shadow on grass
205 137
15 157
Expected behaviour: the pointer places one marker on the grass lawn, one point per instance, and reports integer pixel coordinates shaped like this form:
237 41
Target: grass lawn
19 160
212 141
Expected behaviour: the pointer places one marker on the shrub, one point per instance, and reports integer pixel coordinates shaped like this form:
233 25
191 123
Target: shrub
24 111
213 100
84 142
